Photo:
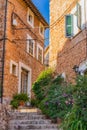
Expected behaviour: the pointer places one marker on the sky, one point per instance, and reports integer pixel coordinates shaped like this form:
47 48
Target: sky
43 7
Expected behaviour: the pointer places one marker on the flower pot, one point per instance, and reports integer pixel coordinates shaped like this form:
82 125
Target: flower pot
22 103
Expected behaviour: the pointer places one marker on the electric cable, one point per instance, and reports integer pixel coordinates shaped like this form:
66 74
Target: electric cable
59 18
19 47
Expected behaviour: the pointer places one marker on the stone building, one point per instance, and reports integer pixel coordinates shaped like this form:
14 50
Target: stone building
21 46
68 37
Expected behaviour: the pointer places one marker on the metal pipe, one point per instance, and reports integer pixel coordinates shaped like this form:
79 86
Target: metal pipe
85 24
3 58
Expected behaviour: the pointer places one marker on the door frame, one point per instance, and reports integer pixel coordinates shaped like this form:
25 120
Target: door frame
28 69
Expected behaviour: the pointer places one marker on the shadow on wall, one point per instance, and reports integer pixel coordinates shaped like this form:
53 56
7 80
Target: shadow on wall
73 52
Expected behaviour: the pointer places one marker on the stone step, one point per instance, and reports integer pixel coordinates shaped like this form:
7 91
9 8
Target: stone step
35 129
29 110
33 126
25 113
26 110
39 121
42 129
28 117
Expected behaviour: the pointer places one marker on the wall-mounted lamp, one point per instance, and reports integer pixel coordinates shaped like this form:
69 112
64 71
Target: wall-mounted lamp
76 69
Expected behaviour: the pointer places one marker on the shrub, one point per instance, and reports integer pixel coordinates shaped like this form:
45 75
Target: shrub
34 102
77 118
58 102
56 99
39 86
51 95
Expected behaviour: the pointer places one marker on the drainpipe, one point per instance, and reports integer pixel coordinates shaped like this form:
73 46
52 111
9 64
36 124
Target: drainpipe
85 24
3 53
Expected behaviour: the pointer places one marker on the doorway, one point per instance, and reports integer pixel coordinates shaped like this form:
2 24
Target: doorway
24 79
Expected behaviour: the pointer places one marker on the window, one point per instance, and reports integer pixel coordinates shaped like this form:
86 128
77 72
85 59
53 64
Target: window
30 45
39 53
46 59
41 29
82 4
13 68
75 20
69 25
79 15
24 81
30 17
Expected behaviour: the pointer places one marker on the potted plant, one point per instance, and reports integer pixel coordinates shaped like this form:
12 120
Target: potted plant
14 104
23 98
19 100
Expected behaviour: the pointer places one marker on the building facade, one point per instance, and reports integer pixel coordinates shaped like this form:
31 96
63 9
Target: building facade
68 37
21 46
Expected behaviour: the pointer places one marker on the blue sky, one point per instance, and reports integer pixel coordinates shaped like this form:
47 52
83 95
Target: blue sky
43 6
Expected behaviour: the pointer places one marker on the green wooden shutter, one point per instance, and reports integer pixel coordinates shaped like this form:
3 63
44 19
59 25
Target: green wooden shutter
69 25
79 15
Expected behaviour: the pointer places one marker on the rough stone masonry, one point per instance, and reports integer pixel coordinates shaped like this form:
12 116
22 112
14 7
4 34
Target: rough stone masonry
4 117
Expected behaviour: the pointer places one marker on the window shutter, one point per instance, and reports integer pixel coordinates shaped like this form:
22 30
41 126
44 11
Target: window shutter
79 15
69 25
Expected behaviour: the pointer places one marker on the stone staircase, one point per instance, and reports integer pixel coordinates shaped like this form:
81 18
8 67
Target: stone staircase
30 119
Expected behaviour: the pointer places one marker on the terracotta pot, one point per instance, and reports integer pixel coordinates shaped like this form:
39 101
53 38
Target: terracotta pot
21 103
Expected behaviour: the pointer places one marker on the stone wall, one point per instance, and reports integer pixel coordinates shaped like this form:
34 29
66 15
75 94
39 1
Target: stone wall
4 117
2 17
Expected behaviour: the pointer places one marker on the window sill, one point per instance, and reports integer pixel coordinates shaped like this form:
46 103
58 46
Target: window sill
76 34
14 75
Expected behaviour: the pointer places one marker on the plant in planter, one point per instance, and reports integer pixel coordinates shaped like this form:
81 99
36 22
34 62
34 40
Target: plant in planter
19 100
14 104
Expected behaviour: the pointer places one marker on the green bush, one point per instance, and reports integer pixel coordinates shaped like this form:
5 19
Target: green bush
77 118
57 102
53 96
39 87
34 102
57 99
14 104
